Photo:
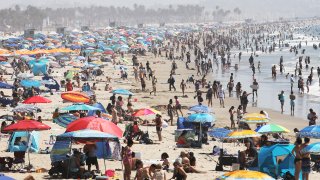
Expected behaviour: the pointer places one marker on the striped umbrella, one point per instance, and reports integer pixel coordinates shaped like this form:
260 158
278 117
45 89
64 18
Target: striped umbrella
310 131
253 118
64 120
242 134
272 128
245 175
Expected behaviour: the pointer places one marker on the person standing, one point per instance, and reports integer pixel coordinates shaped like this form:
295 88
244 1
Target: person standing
255 87
297 157
183 86
127 159
291 82
312 117
231 113
244 101
170 111
171 82
178 106
238 89
158 122
90 151
230 86
306 160
292 102
69 86
209 96
221 95
154 85
281 99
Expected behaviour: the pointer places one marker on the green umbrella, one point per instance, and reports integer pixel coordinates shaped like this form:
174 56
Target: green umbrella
272 128
80 107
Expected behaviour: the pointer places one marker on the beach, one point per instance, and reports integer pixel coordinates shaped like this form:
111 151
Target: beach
151 153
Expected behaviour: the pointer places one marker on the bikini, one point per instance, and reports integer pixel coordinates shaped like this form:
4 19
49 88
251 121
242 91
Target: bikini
297 159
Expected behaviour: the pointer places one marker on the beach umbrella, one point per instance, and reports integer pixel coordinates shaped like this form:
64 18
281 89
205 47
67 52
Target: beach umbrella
200 109
310 131
88 134
30 83
80 107
219 132
95 123
272 128
200 118
27 125
36 99
25 75
122 92
239 134
5 86
145 112
313 148
244 175
64 119
254 118
25 108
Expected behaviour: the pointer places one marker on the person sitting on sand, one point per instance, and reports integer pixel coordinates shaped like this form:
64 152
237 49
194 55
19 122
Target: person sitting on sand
156 172
182 140
142 172
178 172
165 161
186 163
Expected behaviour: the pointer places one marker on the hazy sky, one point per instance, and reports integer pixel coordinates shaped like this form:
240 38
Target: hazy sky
250 8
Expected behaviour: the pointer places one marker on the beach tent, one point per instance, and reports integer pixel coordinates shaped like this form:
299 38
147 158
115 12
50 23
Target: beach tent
39 68
97 105
24 140
276 160
54 85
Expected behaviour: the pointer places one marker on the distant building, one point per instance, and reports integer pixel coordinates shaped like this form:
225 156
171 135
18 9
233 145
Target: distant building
112 24
85 28
61 30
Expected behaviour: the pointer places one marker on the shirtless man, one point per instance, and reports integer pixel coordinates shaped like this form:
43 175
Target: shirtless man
142 172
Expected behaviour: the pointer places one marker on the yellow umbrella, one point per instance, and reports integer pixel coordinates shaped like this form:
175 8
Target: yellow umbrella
245 175
239 134
254 118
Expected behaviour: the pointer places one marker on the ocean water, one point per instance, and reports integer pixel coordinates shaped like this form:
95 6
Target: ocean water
270 88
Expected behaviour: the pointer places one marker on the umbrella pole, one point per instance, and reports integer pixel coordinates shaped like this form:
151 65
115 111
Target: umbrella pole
29 135
200 139
104 159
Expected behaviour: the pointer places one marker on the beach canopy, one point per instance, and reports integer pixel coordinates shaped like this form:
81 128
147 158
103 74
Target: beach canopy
219 132
313 148
122 92
145 112
5 86
200 109
310 131
95 123
4 177
272 128
97 105
253 118
239 134
36 99
30 83
80 107
200 118
27 125
244 175
88 134
64 119
276 160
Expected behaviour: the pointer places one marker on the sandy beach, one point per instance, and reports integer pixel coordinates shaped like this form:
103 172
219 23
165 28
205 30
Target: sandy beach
151 153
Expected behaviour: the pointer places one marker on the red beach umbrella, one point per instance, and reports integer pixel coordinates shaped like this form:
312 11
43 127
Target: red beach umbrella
27 125
95 123
36 99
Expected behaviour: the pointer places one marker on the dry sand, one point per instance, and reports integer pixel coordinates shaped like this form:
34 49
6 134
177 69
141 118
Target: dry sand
152 152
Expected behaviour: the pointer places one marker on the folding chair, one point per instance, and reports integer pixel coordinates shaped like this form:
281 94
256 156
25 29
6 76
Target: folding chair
18 161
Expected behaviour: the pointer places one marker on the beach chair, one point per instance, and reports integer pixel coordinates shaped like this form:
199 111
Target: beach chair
18 160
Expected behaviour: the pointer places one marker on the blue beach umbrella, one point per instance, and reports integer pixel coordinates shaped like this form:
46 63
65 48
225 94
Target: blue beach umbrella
310 131
200 118
30 83
200 109
64 120
219 133
80 107
88 134
122 92
313 148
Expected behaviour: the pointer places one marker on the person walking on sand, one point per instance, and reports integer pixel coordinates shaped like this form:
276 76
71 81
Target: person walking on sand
183 86
291 82
221 95
255 87
127 159
292 102
171 82
154 85
281 99
230 86
170 111
209 96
